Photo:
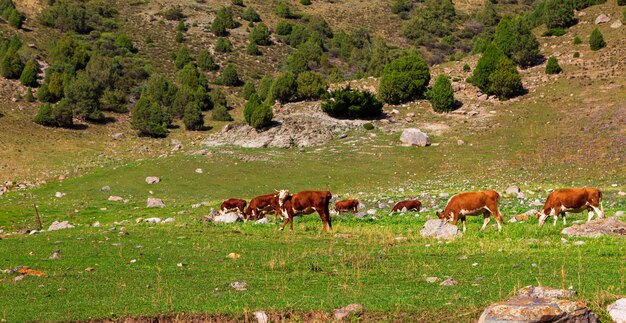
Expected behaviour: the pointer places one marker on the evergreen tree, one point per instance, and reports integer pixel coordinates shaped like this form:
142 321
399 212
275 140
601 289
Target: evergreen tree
11 65
253 103
29 74
83 95
183 57
253 49
29 97
265 86
486 65
247 90
149 118
553 67
230 76
262 116
505 81
311 85
283 10
193 118
596 41
223 45
260 35
251 15
517 41
220 113
404 79
219 98
284 88
206 61
558 14
442 96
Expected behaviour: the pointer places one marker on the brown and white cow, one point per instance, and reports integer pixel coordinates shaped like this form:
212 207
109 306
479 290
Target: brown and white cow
349 205
572 200
261 205
410 205
473 203
230 205
305 202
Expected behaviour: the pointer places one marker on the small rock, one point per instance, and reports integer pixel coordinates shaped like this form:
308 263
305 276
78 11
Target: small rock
343 236
181 264
579 243
343 135
89 269
59 194
18 278
233 255
56 254
617 310
444 194
410 114
261 317
621 193
153 180
155 202
460 142
602 19
512 190
432 280
440 230
616 24
56 225
239 286
168 220
105 188
582 14
350 310
619 213
152 220
199 170
360 215
116 198
230 217
262 221
96 224
118 136
371 211
449 282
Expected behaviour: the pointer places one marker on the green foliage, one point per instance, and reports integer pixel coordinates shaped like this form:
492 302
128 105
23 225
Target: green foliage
441 96
219 98
181 26
218 28
558 14
489 18
83 96
57 116
238 3
29 97
435 19
11 65
173 13
310 85
192 117
260 35
70 51
148 118
189 76
517 41
247 90
486 65
79 16
251 15
317 24
29 73
299 34
284 28
206 61
368 126
554 32
163 92
230 76
352 104
576 55
404 79
305 2
284 88
265 86
505 81
114 101
183 57
223 21
179 37
257 114
223 45
466 68
123 41
15 19
553 67
577 40
252 49
283 10
596 40
400 6
220 113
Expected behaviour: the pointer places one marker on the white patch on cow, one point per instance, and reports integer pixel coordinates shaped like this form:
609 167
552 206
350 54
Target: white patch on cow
282 197
598 211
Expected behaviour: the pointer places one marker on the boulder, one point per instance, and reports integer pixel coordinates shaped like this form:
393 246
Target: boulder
344 312
619 213
617 311
199 170
512 190
261 317
152 180
239 286
56 225
597 228
449 282
168 220
152 220
414 137
602 19
262 221
155 202
59 195
616 24
230 217
115 198
538 304
105 188
118 136
440 230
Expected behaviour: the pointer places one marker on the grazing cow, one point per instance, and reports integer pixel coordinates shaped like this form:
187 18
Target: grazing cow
237 205
349 205
261 205
305 202
473 203
410 205
573 200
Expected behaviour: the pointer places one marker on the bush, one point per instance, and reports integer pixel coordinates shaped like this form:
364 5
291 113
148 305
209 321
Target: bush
192 118
368 126
179 37
190 77
218 28
596 41
284 88
283 10
256 113
252 49
149 118
206 61
400 6
577 40
404 79
311 85
284 28
505 81
11 65
83 95
553 67
466 68
265 87
305 2
517 41
223 45
576 55
230 76
57 116
251 15
218 98
223 20
554 32
44 115
220 113
441 96
238 3
183 57
247 90
352 104
114 101
558 14
485 66
15 19
29 74
174 13
29 97
260 35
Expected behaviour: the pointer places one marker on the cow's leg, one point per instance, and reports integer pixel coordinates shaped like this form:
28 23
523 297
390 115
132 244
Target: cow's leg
464 220
598 211
486 220
328 225
452 216
564 216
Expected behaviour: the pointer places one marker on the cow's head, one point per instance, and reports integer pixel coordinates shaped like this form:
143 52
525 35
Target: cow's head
282 196
441 215
542 216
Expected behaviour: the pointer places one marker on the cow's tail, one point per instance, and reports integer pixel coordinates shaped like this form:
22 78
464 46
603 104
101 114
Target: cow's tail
600 202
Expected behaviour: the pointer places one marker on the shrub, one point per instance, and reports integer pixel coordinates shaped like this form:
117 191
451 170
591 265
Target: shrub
83 95
441 96
265 85
283 10
190 77
284 27
247 90
238 3
218 28
250 106
553 67
305 2
400 6
160 90
576 55
29 97
29 74
11 65
284 88
15 19
368 126
517 41
404 79
596 41
224 17
230 76
256 113
260 35
252 49
183 57
179 37
192 118
220 113
218 97
311 85
486 65
558 14
577 40
57 116
554 32
466 68
174 13
352 104
114 101
44 116
251 15
149 118
206 61
223 45
505 81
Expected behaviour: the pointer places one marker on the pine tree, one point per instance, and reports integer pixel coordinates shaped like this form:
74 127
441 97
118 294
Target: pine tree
220 113
404 79
260 35
149 118
206 61
265 86
29 73
596 40
11 65
553 67
284 88
247 90
253 49
442 96
230 76
193 118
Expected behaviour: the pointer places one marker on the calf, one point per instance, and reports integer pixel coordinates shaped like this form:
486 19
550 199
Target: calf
349 205
305 202
410 205
261 205
473 203
573 200
237 205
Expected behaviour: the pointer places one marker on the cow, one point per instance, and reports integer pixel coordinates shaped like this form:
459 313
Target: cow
261 205
349 205
572 200
236 205
473 203
410 205
305 202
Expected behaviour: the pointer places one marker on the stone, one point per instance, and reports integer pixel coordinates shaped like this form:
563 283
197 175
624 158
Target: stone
616 24
152 220
414 137
56 225
602 19
239 286
115 198
619 213
153 180
539 304
444 194
581 14
578 243
432 280
410 114
361 215
56 254
230 217
199 170
261 317
512 190
155 202
96 224
59 195
621 193
460 142
262 221
118 136
371 211
343 135
233 255
449 282
596 228
440 230
521 217
617 311
394 111
346 311
168 220
105 188
343 236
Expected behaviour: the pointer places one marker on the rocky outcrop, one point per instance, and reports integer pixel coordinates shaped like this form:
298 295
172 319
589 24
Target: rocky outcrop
414 137
617 311
597 228
440 230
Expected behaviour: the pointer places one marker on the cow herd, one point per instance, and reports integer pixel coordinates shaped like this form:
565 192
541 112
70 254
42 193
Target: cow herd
287 205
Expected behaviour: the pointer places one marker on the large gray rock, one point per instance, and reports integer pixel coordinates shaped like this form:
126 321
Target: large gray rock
597 228
539 304
617 311
440 230
261 317
512 190
602 19
414 137
230 217
152 180
56 225
155 202
616 24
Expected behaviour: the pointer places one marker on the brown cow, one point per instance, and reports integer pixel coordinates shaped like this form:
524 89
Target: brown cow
261 205
349 205
573 200
237 205
410 205
473 203
305 202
